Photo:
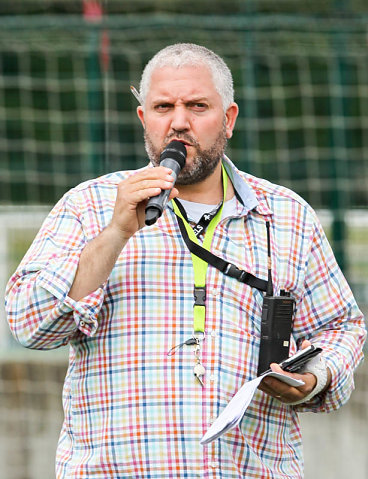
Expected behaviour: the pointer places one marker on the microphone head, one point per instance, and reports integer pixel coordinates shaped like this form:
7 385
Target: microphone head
175 150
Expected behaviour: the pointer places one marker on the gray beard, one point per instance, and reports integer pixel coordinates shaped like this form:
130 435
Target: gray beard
204 162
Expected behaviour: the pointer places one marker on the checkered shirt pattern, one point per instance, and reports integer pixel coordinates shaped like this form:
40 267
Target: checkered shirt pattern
132 410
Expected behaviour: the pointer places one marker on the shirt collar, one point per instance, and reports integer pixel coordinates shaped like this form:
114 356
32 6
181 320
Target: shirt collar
243 191
250 199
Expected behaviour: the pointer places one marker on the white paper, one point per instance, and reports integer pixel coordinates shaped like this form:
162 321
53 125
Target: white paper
234 411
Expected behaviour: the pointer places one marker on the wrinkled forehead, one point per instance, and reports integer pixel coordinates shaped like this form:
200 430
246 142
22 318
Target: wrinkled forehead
193 80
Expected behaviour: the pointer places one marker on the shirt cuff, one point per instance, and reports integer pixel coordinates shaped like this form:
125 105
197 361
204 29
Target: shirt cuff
339 390
86 311
57 278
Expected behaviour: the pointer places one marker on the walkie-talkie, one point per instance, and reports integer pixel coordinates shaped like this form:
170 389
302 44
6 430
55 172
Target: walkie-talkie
276 321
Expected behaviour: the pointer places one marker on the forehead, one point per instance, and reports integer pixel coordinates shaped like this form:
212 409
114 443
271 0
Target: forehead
184 80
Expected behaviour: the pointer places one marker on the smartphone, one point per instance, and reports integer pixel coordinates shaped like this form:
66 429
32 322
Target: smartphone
297 361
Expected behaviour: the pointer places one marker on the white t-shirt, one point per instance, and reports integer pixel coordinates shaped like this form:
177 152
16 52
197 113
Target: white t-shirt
195 211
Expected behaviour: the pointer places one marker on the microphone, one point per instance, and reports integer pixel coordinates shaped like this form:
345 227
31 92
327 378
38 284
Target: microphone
173 157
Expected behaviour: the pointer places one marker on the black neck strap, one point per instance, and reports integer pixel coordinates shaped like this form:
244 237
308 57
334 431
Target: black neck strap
225 267
205 220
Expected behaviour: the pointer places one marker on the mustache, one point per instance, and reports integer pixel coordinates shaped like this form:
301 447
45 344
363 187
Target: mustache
182 136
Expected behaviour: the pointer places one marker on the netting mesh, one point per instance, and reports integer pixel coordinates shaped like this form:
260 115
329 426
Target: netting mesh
67 113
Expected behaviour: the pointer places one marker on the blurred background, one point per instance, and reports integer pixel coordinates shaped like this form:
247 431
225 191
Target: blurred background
66 115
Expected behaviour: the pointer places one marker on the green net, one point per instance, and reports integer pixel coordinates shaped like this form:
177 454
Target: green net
67 113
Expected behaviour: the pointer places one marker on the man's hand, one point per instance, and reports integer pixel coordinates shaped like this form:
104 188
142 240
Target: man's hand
132 196
99 256
288 394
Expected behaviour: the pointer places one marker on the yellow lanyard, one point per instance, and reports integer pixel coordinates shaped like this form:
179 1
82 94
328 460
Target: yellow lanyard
199 265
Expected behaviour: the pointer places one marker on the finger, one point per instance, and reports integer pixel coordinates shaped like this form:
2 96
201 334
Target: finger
274 386
160 172
279 393
173 193
148 183
285 393
282 392
306 344
136 193
278 369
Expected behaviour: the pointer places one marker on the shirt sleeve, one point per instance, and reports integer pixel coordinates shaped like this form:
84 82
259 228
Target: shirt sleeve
39 311
329 317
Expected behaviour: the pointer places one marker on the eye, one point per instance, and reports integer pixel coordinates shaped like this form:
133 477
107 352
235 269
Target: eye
163 107
198 106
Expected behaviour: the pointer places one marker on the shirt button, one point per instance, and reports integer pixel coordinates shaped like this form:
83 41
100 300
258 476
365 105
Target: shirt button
82 323
215 292
214 464
212 378
213 334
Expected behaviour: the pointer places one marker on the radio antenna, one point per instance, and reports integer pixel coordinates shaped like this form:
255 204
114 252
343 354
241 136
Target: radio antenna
269 290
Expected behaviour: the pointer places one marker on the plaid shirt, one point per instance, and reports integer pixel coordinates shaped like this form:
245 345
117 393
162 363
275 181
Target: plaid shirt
132 410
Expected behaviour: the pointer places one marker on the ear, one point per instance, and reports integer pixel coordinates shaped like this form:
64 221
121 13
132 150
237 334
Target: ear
140 113
230 119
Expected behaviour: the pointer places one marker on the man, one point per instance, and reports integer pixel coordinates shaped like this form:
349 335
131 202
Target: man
141 391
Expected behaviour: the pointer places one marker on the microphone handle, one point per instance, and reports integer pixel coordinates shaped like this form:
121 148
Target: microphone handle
156 204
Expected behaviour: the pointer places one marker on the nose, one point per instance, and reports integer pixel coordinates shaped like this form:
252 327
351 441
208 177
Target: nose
180 119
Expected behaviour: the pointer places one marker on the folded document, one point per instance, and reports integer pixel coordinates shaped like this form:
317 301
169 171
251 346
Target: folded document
234 411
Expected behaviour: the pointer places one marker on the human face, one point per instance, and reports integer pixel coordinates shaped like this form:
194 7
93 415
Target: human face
183 104
203 164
